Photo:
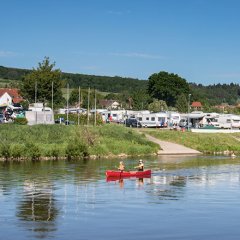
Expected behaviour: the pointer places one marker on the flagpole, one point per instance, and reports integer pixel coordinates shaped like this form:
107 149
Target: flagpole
52 96
95 101
88 106
79 100
36 92
67 102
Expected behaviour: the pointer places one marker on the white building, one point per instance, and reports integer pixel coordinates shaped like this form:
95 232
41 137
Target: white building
38 114
5 99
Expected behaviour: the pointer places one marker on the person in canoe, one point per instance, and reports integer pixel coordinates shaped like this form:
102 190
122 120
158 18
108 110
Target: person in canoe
121 166
140 166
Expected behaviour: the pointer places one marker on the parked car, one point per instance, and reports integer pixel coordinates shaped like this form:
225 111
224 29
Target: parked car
184 123
132 122
1 118
67 122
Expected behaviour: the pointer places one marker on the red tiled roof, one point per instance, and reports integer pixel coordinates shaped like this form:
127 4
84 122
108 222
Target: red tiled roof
13 93
196 104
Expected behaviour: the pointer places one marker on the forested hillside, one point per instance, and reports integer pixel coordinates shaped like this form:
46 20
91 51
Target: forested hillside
102 83
208 95
216 94
12 73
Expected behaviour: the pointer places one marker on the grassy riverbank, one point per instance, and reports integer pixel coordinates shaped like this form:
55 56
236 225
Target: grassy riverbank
60 141
210 143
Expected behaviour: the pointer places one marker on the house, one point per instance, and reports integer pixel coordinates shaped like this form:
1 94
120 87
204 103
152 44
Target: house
9 96
109 104
196 106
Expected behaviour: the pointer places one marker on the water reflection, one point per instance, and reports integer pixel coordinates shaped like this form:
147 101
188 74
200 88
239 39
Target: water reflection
120 181
37 209
167 187
49 199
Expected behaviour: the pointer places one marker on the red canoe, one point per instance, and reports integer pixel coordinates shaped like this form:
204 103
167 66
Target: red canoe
112 173
110 179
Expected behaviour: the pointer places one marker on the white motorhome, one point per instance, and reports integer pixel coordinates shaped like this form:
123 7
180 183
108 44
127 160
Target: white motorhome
196 119
153 119
173 118
121 115
113 115
134 113
117 115
227 121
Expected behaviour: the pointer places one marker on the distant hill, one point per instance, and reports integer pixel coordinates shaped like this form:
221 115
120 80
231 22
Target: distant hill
102 83
210 95
216 94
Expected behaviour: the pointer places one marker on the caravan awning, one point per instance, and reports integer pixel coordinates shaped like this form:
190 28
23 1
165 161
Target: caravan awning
3 105
196 116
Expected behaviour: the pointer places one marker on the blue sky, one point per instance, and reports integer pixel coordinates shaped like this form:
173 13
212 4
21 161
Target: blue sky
196 39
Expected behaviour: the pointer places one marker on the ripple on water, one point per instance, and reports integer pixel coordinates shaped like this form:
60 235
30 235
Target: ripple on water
193 198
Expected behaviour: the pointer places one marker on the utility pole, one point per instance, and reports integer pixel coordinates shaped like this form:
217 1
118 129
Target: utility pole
36 116
79 103
95 101
189 96
52 96
67 103
88 106
35 92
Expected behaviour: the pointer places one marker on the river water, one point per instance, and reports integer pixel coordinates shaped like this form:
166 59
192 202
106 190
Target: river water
186 198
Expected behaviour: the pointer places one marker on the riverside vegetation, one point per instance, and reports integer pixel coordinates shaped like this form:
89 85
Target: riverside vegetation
59 141
208 143
20 142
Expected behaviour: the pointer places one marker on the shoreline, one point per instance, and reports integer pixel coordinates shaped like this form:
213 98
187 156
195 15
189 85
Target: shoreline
42 143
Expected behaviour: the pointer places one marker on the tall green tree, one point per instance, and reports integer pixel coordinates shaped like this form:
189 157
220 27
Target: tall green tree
125 99
157 106
167 86
182 103
74 98
140 99
39 81
111 96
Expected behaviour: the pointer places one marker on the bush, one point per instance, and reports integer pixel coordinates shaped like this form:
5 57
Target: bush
82 120
32 151
76 148
5 151
17 151
21 121
55 152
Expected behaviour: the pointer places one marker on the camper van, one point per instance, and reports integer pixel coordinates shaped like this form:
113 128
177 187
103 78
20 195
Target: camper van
227 121
153 119
117 116
173 118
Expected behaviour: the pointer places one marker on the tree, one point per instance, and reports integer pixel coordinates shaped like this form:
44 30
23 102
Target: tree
125 99
157 106
41 79
182 103
140 100
74 97
167 86
111 96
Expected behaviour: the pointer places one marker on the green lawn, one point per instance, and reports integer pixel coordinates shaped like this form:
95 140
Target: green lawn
204 142
7 83
33 142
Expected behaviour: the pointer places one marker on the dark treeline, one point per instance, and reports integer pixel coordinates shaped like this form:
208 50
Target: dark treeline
102 83
13 73
209 95
216 94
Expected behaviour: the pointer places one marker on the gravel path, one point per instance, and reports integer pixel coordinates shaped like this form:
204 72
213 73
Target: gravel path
168 148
